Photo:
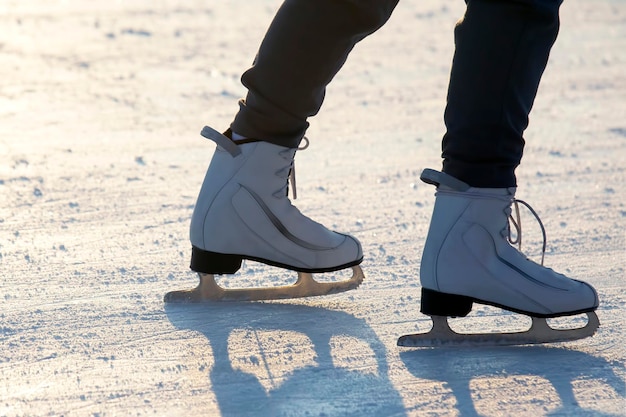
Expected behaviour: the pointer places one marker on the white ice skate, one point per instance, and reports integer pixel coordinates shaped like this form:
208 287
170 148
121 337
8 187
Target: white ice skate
468 257
243 212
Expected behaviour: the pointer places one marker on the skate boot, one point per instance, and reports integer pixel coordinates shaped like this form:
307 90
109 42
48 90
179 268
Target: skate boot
469 257
243 212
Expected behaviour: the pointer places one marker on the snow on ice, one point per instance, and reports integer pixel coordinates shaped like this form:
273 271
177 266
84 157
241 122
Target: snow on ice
101 105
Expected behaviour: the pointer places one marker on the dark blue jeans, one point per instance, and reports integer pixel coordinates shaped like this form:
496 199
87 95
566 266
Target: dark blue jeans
502 48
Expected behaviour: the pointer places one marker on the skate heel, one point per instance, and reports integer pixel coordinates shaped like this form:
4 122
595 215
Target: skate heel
435 303
214 263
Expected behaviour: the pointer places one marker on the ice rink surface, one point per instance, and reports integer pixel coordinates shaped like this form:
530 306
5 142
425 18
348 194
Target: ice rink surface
101 105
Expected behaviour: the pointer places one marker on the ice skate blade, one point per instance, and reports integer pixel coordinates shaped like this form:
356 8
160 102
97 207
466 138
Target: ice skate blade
208 290
441 335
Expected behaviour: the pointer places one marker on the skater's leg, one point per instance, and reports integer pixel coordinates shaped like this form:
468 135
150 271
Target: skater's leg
243 211
501 52
306 44
304 47
502 48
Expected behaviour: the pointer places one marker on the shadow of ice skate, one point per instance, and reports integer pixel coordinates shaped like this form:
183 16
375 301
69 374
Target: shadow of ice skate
271 359
519 368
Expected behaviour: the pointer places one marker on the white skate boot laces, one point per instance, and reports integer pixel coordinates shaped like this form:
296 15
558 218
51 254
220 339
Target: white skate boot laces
517 224
291 171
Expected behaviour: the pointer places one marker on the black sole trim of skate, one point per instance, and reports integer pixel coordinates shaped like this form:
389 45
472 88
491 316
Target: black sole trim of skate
214 263
208 262
435 303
